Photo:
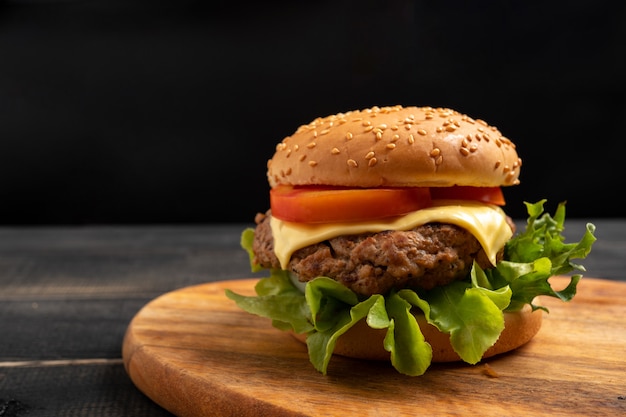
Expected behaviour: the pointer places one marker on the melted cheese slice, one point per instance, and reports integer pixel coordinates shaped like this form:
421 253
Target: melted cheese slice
486 222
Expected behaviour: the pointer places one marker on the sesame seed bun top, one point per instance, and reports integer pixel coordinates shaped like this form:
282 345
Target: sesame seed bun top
396 146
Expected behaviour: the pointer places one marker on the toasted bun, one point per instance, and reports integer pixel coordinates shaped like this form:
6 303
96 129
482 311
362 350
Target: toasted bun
363 342
396 146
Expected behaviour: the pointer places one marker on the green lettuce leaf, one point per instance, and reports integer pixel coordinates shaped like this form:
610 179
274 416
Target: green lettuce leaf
278 300
538 253
247 238
471 315
470 311
337 318
410 354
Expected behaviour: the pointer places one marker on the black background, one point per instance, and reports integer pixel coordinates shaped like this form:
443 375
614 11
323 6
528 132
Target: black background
166 112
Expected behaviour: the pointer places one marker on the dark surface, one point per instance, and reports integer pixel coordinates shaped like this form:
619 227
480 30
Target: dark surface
166 112
67 295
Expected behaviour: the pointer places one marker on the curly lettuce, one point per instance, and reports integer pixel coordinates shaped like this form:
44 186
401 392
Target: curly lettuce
470 311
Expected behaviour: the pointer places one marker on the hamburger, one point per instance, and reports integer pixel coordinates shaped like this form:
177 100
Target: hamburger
386 239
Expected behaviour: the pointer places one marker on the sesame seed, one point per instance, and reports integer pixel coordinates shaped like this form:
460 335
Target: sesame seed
312 163
411 139
382 126
439 160
408 126
450 128
366 123
473 148
435 152
349 136
311 145
464 151
498 163
369 155
302 157
334 151
314 133
296 147
395 138
288 172
369 128
391 146
422 132
372 162
352 163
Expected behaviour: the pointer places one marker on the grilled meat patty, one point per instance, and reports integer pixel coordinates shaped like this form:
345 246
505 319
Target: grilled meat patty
373 263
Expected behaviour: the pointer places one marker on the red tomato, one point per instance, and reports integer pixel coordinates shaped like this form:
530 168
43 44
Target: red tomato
490 195
336 204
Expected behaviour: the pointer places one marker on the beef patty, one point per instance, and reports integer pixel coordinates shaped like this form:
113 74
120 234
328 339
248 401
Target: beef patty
373 263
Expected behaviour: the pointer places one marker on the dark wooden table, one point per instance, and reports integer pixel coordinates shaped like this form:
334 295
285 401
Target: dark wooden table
67 295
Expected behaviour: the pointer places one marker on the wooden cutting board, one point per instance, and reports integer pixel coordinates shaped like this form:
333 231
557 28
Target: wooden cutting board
195 353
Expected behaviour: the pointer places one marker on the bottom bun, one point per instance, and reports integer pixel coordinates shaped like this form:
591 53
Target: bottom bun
363 342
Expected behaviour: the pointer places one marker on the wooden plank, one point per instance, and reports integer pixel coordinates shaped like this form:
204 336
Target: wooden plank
99 262
195 353
64 389
65 328
70 292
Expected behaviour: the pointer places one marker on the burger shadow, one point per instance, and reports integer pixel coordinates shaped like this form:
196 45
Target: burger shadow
379 380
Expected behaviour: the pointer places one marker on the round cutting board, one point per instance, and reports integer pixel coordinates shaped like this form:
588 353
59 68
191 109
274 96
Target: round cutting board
195 353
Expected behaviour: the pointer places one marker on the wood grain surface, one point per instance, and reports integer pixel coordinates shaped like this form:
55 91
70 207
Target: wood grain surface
195 353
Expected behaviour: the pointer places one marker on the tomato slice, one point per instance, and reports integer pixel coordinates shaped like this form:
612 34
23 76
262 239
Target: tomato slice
312 204
490 195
